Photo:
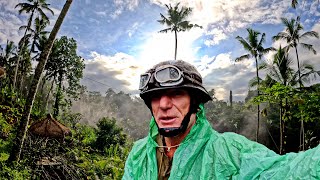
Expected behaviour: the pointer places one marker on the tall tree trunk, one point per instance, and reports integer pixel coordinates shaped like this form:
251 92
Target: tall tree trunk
301 139
230 98
42 87
47 98
298 63
258 113
58 96
281 128
22 129
176 45
19 54
22 82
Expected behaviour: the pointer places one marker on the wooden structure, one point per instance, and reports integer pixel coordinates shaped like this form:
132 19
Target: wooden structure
49 127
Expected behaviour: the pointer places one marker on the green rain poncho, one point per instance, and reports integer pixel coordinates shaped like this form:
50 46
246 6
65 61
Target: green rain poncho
207 154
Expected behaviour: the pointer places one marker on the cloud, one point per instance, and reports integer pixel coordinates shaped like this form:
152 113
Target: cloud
9 22
119 72
217 36
222 74
220 18
122 5
160 46
134 28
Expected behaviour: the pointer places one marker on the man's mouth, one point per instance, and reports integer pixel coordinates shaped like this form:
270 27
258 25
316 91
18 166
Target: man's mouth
167 120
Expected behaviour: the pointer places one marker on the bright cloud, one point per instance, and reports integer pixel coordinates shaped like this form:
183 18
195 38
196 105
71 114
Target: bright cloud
217 36
223 74
160 46
123 68
220 17
122 5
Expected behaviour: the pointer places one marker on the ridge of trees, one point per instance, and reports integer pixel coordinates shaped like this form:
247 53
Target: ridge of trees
104 126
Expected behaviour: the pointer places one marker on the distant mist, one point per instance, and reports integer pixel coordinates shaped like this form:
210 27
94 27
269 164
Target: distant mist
134 117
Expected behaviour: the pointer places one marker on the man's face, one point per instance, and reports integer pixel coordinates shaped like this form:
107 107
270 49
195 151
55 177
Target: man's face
169 107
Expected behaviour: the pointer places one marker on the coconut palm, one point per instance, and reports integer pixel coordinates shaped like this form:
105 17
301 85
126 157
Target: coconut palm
253 45
292 35
36 34
176 22
36 9
23 127
280 71
7 53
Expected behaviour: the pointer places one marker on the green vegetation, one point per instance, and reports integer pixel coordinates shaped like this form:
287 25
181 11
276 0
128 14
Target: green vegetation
104 126
256 50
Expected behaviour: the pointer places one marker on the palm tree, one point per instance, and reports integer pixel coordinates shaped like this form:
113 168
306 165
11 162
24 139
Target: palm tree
176 22
7 57
23 127
35 8
280 71
254 46
7 53
292 35
36 34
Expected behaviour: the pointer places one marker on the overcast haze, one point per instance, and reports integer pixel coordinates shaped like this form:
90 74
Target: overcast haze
119 39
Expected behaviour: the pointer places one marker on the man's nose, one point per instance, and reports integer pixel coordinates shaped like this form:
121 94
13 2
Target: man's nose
165 102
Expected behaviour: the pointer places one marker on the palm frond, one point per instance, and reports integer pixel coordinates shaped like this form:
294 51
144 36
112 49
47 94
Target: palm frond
310 34
308 47
267 50
244 43
281 35
262 40
165 30
253 82
262 66
246 56
294 3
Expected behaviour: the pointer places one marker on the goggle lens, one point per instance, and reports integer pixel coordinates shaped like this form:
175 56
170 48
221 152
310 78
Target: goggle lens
167 74
144 79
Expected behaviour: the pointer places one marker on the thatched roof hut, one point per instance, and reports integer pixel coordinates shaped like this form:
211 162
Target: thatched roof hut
49 127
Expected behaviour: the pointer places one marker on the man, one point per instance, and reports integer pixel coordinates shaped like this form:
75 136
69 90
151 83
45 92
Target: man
182 145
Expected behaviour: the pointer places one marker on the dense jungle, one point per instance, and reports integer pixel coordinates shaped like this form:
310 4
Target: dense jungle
52 127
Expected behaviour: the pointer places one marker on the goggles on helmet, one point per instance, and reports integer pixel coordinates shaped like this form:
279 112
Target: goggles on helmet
167 75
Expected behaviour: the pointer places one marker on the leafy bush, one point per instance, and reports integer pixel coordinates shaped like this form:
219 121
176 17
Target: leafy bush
109 134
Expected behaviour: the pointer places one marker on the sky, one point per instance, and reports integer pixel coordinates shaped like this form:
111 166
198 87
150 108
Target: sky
120 39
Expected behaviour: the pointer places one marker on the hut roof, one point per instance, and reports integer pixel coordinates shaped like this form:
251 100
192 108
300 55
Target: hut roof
49 127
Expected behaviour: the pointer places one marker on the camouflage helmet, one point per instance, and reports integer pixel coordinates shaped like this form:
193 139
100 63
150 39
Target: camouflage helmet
173 74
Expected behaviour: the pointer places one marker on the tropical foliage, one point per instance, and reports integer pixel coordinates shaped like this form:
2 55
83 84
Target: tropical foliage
104 126
254 45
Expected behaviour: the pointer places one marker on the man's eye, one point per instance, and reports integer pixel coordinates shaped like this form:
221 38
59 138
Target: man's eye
156 95
177 93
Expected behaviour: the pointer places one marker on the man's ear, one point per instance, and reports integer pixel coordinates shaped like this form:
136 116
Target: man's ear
194 105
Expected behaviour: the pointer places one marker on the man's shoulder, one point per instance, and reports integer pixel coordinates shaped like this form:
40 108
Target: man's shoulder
140 143
139 147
